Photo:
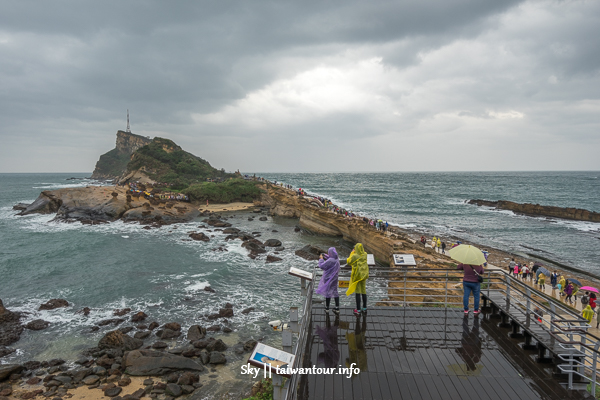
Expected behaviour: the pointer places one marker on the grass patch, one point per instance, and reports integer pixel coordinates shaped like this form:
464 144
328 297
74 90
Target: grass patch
265 391
224 192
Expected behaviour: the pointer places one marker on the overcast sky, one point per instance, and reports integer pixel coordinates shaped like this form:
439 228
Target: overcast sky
304 86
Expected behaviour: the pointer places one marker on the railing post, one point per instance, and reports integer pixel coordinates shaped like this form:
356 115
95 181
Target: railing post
594 364
489 284
528 291
507 292
404 304
446 295
278 390
303 287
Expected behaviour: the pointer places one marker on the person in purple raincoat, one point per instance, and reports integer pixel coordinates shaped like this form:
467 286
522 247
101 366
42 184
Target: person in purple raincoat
328 286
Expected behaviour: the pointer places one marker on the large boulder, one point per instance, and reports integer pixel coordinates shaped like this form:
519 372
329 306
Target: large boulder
310 253
37 325
196 332
7 370
272 243
119 340
150 362
199 236
54 303
10 326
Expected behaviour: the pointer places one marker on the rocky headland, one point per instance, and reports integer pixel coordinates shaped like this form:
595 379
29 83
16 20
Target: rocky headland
101 204
536 210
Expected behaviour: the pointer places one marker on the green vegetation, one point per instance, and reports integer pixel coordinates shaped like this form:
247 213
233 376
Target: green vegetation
166 162
265 391
225 192
112 163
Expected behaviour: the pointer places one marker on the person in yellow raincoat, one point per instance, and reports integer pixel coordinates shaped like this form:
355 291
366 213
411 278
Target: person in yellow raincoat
562 282
358 277
588 314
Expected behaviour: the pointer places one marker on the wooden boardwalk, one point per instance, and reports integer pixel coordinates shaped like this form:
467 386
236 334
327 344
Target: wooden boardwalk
422 353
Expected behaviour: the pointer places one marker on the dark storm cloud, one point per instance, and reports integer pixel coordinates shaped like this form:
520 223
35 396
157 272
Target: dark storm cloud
199 71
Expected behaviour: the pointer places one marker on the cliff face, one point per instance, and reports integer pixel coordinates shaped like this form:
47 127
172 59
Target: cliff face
284 202
537 210
113 164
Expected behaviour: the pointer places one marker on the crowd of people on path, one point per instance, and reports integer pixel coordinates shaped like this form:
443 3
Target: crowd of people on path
149 192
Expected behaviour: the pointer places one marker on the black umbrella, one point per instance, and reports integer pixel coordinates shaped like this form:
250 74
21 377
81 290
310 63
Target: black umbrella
542 270
536 267
575 281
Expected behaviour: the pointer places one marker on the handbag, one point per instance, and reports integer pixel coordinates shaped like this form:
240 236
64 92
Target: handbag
479 277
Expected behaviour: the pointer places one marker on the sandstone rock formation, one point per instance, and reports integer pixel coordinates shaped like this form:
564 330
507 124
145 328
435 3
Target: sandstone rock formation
98 204
537 210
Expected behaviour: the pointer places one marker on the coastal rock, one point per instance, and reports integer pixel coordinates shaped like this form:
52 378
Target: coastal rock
167 334
174 326
310 253
216 345
142 335
271 259
254 246
37 325
272 243
226 312
217 358
159 345
111 321
53 304
250 344
196 332
536 210
247 310
6 370
20 207
149 362
153 325
199 236
263 219
173 390
10 326
118 340
112 392
121 312
229 231
4 351
139 316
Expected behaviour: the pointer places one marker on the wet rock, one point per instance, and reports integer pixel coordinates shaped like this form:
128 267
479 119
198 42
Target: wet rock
85 311
148 381
127 329
272 243
139 316
149 362
153 325
250 344
32 365
227 330
53 304
204 357
214 328
165 334
100 371
111 321
217 358
79 375
209 289
229 231
142 334
187 389
121 312
174 326
37 325
280 248
196 332
225 313
119 340
33 381
271 259
199 236
6 370
10 326
173 390
216 345
159 345
4 351
247 310
310 253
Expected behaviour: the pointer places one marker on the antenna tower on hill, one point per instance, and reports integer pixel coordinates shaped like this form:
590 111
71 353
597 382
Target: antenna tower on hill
128 128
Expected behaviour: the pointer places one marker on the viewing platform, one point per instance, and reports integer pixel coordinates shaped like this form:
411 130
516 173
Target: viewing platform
417 343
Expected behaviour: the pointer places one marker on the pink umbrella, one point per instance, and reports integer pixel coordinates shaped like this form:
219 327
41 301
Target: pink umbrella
589 288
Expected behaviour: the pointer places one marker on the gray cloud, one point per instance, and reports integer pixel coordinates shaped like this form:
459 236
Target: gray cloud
272 76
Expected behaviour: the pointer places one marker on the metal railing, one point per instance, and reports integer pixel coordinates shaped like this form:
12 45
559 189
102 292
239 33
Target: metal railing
526 306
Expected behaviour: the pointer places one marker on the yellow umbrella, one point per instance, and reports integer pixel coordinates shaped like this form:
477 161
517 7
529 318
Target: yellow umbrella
467 254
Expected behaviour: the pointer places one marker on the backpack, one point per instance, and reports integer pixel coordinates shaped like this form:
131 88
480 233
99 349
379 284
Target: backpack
585 299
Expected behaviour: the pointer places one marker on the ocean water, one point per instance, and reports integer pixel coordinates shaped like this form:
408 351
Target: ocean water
118 265
435 204
158 271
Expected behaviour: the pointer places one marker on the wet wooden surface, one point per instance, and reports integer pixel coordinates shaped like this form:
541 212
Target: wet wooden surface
422 353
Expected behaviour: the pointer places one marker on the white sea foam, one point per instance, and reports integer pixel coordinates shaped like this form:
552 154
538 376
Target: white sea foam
197 286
